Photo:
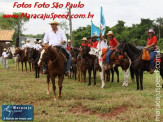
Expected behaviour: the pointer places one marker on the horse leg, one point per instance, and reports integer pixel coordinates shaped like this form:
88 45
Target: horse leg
102 78
141 80
112 71
89 73
117 72
60 81
94 75
84 75
108 75
78 74
137 80
54 87
26 65
22 66
35 72
75 72
38 68
48 81
126 76
30 66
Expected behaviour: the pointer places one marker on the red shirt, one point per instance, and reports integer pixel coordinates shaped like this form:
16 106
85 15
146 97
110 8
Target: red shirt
152 40
68 47
113 42
84 44
94 44
89 45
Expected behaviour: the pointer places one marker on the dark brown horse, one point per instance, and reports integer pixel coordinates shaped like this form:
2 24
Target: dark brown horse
88 63
23 58
74 54
56 65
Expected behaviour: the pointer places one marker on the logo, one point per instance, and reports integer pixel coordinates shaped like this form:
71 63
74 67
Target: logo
17 112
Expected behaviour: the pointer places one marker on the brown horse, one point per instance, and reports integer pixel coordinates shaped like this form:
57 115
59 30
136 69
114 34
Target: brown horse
23 58
56 66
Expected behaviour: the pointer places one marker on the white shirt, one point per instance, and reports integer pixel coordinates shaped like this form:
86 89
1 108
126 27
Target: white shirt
27 45
5 55
36 46
40 47
102 44
23 46
54 38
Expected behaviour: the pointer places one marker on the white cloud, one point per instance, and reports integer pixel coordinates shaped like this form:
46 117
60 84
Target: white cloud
129 11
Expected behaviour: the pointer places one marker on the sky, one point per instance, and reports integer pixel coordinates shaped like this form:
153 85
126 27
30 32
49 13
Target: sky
130 11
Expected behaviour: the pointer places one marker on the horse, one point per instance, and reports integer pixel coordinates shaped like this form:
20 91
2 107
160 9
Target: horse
88 62
56 67
124 63
74 54
23 58
29 57
34 56
137 64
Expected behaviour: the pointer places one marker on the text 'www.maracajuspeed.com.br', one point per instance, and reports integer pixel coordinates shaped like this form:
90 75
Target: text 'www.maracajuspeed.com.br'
48 16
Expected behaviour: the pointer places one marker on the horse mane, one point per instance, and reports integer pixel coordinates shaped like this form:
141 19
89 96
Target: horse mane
134 49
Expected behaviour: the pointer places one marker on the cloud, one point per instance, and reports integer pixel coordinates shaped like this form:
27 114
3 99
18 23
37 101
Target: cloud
130 11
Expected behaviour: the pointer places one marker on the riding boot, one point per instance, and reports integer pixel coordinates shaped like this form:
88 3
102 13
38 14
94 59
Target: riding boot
151 71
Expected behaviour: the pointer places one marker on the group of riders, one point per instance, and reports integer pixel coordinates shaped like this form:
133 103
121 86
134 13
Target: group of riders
57 37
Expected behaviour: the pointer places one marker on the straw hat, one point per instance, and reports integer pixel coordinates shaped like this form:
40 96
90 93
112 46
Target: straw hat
69 41
84 38
4 49
54 22
23 42
35 41
28 40
110 33
40 41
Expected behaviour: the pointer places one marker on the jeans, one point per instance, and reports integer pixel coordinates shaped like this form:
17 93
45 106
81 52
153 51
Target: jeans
5 61
68 61
152 55
108 56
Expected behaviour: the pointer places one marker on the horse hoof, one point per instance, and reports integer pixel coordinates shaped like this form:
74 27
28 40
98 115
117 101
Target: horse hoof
102 87
59 96
47 92
55 99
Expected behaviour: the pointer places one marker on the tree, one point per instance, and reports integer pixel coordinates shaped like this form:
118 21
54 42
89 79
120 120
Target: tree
159 22
13 23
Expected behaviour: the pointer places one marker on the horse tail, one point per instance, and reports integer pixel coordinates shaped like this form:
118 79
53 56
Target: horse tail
161 67
132 73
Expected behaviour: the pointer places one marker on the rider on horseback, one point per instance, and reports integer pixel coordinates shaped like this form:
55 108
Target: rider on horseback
84 42
113 43
151 46
94 41
56 37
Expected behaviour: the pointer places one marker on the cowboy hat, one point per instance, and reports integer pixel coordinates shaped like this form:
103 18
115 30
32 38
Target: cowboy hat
40 41
54 22
84 38
28 40
35 40
23 42
110 33
4 49
151 31
69 41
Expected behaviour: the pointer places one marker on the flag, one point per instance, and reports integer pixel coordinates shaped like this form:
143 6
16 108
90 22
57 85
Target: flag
94 30
102 22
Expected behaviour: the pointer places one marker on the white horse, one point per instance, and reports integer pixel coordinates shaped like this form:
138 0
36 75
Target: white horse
98 53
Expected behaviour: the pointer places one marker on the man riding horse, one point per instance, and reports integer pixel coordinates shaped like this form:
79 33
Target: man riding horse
151 46
113 43
56 37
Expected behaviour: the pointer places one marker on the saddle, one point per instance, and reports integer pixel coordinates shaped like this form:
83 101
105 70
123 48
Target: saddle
113 57
63 52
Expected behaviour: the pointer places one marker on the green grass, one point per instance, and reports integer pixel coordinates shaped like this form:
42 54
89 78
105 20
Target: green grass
79 102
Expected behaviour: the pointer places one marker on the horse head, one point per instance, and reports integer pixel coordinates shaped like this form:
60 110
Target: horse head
44 56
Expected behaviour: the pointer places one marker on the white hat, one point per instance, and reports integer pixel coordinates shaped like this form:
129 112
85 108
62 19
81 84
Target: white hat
84 38
4 49
54 22
28 40
151 31
23 42
110 33
40 41
69 41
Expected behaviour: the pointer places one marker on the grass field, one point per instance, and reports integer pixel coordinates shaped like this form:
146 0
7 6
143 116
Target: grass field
79 102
